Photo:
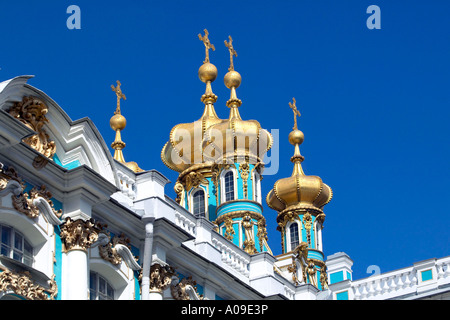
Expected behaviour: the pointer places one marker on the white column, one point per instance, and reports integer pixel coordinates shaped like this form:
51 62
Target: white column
75 271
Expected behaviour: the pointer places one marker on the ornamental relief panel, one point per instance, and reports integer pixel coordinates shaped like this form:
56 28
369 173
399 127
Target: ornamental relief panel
22 285
32 111
28 203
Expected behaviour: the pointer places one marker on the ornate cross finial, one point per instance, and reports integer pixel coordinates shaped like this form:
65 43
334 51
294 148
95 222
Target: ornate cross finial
207 43
233 52
119 94
296 112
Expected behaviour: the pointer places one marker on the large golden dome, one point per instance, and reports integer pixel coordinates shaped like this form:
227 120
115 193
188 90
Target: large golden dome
235 138
184 148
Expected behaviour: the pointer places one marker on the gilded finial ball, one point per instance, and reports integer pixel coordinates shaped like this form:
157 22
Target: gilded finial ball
232 79
296 137
207 72
117 122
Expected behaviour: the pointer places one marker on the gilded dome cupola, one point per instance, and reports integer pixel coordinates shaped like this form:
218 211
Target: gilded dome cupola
299 191
234 140
183 149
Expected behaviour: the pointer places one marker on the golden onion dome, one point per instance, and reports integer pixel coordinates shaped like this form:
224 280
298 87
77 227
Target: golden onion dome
235 138
184 148
298 191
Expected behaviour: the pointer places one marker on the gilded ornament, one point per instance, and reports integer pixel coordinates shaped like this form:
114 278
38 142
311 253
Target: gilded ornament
118 123
229 231
79 234
22 285
233 52
32 112
249 242
179 190
180 290
194 179
208 45
24 202
160 277
109 253
244 171
7 174
323 277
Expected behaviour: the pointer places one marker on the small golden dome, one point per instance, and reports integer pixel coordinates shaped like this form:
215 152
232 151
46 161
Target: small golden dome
207 72
296 137
232 79
118 122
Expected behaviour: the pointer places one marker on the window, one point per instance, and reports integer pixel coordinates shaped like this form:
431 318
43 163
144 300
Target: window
15 246
100 289
198 201
257 187
293 230
229 186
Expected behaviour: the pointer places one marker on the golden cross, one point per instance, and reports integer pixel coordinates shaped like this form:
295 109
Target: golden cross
119 94
296 112
233 52
207 43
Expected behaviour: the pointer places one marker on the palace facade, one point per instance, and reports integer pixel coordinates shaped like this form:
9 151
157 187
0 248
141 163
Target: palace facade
79 223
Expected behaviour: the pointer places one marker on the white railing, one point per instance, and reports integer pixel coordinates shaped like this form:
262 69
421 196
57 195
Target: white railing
398 283
186 221
386 284
231 255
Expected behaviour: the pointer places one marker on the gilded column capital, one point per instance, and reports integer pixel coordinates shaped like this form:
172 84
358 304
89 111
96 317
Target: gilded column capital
160 277
79 234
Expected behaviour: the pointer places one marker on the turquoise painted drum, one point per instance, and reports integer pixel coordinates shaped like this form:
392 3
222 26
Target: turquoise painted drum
315 254
239 205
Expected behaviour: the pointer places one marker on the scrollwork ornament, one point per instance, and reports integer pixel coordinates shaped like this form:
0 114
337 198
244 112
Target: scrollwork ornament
22 284
24 202
32 112
108 252
179 291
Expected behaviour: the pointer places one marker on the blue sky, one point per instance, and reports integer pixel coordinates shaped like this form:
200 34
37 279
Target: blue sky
374 103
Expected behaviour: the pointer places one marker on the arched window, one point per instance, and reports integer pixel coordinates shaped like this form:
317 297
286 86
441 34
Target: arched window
198 202
229 186
100 289
294 237
15 246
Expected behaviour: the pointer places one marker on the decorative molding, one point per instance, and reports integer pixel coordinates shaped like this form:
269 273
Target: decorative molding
118 249
10 180
194 179
79 234
229 231
179 190
32 203
22 285
31 111
160 277
249 242
186 289
244 172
